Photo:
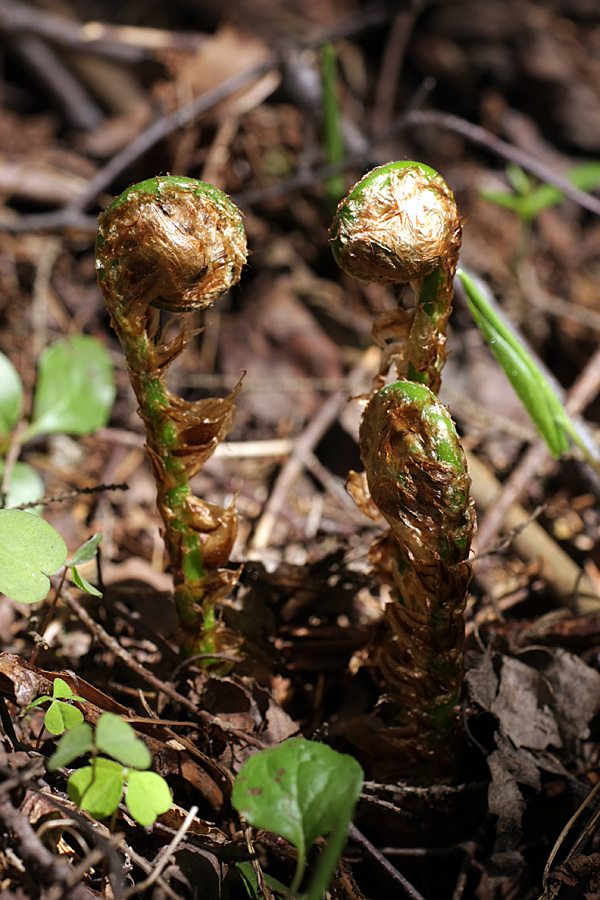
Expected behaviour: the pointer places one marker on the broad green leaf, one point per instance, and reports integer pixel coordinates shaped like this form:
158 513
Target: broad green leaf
87 551
533 389
75 389
84 584
73 744
25 486
116 737
11 395
147 796
98 787
30 551
62 717
300 790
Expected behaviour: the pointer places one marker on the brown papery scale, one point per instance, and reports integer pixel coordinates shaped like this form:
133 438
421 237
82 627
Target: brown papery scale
399 224
171 245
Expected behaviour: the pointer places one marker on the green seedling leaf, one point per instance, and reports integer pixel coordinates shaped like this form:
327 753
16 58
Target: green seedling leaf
98 787
530 200
248 875
25 486
519 179
73 744
84 584
147 796
62 691
62 717
117 738
534 391
87 551
30 551
84 554
75 389
300 790
11 395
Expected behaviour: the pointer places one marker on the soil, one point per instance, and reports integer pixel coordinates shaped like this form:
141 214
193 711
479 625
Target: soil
501 97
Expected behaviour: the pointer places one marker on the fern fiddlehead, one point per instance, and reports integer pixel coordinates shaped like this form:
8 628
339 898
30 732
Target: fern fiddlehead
176 244
400 224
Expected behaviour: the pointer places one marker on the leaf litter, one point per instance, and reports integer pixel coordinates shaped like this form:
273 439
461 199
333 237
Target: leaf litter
312 606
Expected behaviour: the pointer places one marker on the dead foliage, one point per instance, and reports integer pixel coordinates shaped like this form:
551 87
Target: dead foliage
99 95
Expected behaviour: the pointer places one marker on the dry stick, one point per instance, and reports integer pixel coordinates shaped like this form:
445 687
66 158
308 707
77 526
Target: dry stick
159 685
411 892
560 839
302 452
391 65
537 459
143 864
474 133
484 138
163 857
80 109
48 868
71 214
530 541
122 43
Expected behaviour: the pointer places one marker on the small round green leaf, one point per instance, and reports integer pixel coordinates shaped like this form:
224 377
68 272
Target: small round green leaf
98 787
73 744
299 790
11 395
75 390
116 737
61 690
25 486
147 797
30 551
87 551
83 584
61 717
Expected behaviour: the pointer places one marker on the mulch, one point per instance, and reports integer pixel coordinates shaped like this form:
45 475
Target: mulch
99 95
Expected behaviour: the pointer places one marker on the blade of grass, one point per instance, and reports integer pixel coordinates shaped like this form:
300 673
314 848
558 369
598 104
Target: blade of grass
531 384
332 125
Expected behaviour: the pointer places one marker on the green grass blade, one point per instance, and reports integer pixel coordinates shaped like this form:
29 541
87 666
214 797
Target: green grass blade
533 388
332 125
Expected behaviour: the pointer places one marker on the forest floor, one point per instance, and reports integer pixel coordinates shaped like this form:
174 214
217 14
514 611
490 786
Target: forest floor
231 94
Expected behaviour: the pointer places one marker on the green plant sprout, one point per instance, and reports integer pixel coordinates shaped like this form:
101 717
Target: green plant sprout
60 715
332 125
529 199
400 224
98 787
301 790
74 394
176 244
530 384
31 550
